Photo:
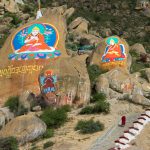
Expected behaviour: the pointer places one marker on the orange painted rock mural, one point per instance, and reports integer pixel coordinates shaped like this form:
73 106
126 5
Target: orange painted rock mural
27 50
112 52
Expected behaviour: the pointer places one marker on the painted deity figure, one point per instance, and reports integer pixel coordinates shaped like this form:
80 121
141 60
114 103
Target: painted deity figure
48 82
35 42
113 51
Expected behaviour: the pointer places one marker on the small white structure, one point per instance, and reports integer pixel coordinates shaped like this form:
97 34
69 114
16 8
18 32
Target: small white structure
146 117
121 145
39 14
129 135
134 130
138 125
143 120
124 139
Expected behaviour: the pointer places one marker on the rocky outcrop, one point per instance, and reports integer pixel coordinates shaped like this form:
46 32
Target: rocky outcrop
138 48
140 99
5 116
79 25
65 82
24 128
119 84
17 73
10 5
147 72
27 100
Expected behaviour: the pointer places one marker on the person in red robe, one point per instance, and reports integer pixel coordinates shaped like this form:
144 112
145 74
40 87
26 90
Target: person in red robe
113 51
123 121
34 42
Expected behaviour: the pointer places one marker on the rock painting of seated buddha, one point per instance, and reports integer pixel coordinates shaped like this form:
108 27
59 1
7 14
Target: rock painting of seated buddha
37 41
114 51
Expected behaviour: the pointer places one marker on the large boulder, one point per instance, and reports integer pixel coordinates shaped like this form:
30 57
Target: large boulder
114 83
23 56
119 84
65 81
79 25
5 116
112 52
26 100
138 48
140 99
147 71
10 5
24 128
69 12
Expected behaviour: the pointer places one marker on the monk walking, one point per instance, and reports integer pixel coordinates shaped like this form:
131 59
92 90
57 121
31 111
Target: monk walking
123 121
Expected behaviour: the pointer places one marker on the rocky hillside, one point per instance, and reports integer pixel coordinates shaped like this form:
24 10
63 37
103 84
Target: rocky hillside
91 58
106 17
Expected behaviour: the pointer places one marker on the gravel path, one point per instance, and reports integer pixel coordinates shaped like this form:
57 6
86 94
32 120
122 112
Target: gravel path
106 141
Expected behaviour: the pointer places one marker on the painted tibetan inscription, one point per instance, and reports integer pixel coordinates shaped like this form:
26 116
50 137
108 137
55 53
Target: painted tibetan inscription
37 41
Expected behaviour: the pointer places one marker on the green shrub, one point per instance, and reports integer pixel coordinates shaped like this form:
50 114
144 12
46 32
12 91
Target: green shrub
72 46
137 66
87 110
89 126
34 148
9 143
48 134
48 144
14 106
134 54
16 20
3 39
101 107
98 97
12 103
66 108
94 71
143 75
54 118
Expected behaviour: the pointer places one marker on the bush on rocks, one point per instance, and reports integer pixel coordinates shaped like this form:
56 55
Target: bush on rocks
89 126
98 97
100 106
48 134
9 143
48 144
54 118
87 110
14 106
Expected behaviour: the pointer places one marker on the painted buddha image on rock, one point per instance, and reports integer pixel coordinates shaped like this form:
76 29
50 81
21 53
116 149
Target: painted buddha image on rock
113 51
37 41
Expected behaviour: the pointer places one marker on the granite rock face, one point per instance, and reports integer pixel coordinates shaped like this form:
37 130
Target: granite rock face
24 128
65 82
21 58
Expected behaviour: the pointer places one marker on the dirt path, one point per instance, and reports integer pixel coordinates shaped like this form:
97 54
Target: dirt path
106 141
66 138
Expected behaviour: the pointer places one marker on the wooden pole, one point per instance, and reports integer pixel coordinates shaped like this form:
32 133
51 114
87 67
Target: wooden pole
39 4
